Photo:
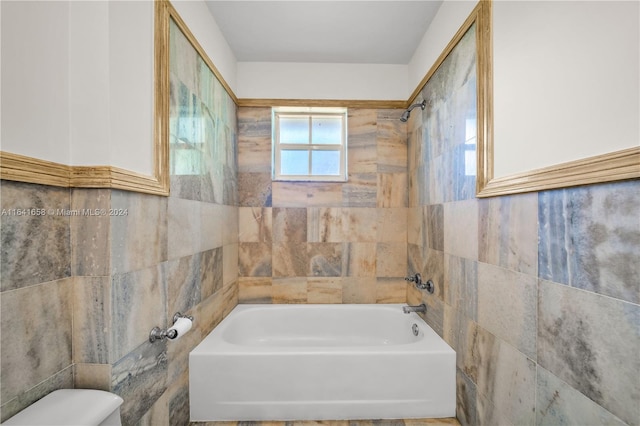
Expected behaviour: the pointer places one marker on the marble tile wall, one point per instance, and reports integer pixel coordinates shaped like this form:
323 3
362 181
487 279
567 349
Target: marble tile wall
540 292
80 315
322 242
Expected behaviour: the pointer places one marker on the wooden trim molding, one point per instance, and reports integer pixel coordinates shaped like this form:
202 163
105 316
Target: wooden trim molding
338 103
618 165
21 168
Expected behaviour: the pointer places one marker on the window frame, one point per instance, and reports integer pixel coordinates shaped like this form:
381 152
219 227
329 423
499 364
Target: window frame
310 147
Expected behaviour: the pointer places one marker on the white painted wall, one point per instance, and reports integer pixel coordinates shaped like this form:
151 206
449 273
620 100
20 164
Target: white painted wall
89 138
566 81
35 79
131 27
77 78
273 80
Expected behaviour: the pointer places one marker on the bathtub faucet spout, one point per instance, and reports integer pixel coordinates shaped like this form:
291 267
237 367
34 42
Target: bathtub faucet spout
418 308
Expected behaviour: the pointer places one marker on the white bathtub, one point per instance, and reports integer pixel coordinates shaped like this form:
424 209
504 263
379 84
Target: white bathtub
321 362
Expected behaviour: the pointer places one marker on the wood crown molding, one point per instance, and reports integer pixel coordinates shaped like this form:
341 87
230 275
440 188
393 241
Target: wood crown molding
614 166
20 168
340 103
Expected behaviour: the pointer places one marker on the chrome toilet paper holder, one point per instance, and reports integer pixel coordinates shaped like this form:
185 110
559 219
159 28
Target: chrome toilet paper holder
159 334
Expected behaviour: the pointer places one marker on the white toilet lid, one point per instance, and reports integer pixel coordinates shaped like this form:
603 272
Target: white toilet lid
68 407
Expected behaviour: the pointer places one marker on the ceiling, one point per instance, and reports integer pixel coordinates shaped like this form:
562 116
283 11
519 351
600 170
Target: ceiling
365 32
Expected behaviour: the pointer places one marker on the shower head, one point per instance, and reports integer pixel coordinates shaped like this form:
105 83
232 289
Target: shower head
405 115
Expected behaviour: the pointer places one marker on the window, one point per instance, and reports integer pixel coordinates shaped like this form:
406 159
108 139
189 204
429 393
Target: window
310 144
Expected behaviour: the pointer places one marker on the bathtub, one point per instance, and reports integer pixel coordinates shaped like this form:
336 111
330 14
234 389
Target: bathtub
321 362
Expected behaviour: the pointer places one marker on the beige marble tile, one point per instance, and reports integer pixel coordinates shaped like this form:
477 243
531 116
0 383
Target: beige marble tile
289 290
324 225
289 225
324 290
563 405
138 303
508 232
325 194
139 240
255 189
36 335
591 342
254 260
289 194
391 290
211 223
35 249
92 376
359 259
391 138
229 298
92 320
415 225
230 225
208 313
254 290
290 260
183 227
433 217
392 190
183 283
178 400
507 306
392 225
361 190
90 235
362 154
461 285
360 224
414 296
229 264
358 290
211 265
391 259
325 259
158 413
503 375
255 224
461 229
254 139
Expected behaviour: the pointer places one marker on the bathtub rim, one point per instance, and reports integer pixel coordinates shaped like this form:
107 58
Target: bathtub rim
215 344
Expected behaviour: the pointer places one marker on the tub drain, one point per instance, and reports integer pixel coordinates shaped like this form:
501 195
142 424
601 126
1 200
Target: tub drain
415 329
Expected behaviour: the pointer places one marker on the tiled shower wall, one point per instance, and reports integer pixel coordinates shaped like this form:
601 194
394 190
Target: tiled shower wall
538 293
324 242
80 293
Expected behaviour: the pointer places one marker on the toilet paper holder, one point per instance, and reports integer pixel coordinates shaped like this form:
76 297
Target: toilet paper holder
159 334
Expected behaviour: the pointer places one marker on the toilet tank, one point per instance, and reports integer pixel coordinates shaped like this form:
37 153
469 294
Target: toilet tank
71 407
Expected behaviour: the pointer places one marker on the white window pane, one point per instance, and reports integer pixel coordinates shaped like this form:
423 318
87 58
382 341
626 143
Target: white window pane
327 130
325 163
294 130
294 162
